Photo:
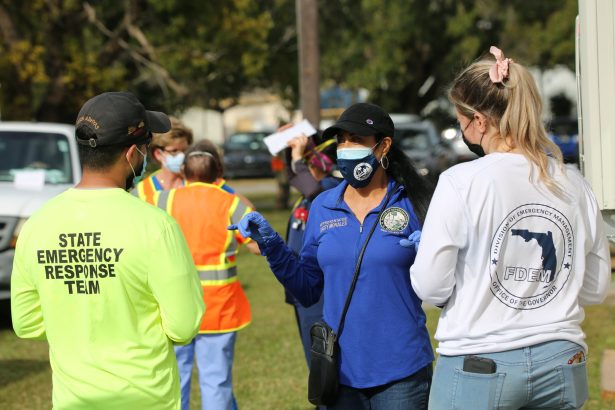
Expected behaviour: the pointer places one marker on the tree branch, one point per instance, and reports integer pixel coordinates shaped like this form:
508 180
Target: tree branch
135 32
162 75
7 28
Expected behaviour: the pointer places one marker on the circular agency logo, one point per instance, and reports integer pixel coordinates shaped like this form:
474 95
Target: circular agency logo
531 256
362 171
394 219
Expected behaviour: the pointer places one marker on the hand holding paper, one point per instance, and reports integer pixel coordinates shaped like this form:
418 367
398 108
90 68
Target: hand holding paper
276 142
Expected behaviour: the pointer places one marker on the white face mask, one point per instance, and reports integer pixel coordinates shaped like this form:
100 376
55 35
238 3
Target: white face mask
174 162
355 153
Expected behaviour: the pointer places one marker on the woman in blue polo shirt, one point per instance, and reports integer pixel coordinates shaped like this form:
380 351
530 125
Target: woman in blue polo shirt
385 351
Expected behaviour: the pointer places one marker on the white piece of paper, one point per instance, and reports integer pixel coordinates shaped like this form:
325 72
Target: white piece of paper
276 142
30 179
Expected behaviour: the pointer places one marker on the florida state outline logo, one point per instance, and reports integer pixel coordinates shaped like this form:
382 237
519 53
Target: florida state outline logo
531 256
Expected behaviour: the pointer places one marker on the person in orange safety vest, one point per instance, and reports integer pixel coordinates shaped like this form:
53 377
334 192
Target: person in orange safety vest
167 149
203 211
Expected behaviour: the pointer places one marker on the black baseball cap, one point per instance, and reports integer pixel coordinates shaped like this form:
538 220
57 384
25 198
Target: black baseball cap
362 119
119 118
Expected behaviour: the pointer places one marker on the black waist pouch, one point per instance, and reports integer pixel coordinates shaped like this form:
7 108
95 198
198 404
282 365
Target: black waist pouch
323 380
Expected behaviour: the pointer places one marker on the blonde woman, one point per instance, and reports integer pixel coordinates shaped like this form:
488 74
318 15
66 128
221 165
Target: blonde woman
512 249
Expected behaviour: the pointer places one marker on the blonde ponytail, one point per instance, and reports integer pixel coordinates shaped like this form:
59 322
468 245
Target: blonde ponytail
513 106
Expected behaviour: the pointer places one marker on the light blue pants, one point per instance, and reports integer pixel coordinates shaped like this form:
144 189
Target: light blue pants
543 376
214 359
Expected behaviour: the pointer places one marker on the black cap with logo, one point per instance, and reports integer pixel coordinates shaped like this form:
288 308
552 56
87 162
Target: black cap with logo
119 118
362 119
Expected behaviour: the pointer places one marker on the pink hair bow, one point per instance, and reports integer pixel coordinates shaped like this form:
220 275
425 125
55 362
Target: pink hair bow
499 72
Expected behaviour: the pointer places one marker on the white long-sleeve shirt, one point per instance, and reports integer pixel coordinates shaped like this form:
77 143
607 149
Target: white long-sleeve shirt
512 263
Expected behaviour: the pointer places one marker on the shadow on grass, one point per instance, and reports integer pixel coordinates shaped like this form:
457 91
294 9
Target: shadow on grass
5 314
13 370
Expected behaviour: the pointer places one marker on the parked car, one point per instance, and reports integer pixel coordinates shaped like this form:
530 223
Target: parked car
37 162
421 142
247 156
565 133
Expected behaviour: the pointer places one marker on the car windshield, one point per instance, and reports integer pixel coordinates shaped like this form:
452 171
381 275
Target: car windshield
22 151
412 139
247 141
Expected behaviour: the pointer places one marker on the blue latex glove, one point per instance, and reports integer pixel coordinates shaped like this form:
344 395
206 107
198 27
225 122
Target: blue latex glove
412 241
255 226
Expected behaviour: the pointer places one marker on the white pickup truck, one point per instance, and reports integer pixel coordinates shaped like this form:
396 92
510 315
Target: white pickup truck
37 162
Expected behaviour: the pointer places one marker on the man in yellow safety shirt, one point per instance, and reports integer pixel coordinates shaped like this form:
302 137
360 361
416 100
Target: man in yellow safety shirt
203 211
105 278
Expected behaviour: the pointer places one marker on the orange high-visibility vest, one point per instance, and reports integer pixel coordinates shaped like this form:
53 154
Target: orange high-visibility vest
221 182
148 187
203 212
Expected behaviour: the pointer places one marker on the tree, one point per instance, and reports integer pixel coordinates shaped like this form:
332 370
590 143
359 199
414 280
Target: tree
172 53
541 33
405 52
54 54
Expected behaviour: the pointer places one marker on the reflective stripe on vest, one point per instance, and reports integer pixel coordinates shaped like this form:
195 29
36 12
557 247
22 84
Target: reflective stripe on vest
146 190
203 212
238 210
165 200
217 277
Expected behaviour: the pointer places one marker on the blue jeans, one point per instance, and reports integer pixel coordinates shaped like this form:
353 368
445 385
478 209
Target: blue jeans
214 359
410 393
306 317
543 376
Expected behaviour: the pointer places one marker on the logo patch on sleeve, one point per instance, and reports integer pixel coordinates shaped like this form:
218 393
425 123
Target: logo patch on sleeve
394 219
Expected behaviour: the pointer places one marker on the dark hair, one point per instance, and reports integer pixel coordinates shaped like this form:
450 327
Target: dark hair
98 158
401 169
331 151
206 145
201 166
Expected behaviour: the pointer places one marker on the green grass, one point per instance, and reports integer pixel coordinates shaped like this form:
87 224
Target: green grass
269 370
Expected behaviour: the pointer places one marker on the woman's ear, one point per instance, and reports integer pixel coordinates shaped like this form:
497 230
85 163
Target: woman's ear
157 154
386 143
482 122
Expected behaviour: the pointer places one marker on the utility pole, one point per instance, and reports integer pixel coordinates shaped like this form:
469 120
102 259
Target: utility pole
309 60
309 79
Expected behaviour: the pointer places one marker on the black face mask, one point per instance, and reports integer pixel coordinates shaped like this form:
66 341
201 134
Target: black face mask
475 148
